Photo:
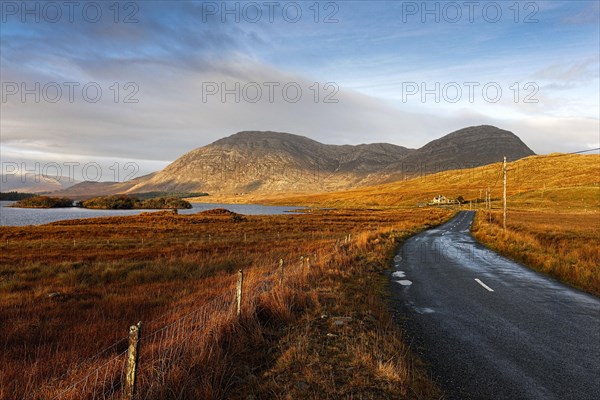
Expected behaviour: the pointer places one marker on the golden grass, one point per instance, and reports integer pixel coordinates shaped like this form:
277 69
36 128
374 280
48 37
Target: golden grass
563 245
103 275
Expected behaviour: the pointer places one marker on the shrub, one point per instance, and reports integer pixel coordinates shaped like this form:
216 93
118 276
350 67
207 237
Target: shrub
165 203
118 202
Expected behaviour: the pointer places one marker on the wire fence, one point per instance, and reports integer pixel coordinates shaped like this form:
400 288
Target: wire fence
127 370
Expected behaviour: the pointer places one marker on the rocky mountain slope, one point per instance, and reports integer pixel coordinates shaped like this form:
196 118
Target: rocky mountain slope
272 162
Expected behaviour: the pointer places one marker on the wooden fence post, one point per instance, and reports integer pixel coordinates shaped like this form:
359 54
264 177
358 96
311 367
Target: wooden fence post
240 283
281 271
132 360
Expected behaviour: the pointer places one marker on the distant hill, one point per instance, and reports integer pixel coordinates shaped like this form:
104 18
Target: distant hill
33 184
276 162
88 189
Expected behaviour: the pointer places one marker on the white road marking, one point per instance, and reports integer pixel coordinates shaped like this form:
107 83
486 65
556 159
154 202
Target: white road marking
484 285
424 310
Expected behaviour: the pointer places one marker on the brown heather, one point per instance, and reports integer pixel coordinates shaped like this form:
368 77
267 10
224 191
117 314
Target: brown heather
71 289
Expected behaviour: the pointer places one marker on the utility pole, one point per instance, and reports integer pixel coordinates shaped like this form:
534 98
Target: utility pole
543 190
504 216
489 203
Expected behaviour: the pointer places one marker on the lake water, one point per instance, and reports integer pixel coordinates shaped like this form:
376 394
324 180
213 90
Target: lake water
36 216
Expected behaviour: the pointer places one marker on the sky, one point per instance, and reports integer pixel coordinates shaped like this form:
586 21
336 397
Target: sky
128 87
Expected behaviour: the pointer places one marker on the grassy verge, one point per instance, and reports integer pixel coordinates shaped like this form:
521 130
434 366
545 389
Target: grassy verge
561 244
346 345
71 289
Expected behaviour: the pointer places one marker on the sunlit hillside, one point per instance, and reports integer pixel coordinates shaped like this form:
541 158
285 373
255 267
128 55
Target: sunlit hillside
550 182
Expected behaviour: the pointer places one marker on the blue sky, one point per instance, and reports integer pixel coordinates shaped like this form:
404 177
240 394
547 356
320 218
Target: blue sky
373 54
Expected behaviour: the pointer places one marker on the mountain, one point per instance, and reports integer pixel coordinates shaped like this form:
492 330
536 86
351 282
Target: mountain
470 147
272 162
34 184
276 162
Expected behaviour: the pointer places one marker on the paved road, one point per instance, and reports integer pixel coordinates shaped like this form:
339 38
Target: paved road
490 328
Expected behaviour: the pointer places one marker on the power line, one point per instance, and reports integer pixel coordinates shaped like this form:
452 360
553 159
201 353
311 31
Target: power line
568 154
584 151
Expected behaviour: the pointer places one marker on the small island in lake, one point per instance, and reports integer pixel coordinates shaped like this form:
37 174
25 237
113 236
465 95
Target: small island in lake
117 202
44 202
123 202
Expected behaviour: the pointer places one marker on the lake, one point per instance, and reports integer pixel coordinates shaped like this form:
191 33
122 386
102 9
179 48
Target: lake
36 216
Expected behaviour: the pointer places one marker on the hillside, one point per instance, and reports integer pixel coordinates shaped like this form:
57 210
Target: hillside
551 181
280 163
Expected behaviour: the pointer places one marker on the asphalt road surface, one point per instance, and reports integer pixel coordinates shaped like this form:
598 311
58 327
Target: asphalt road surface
490 328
